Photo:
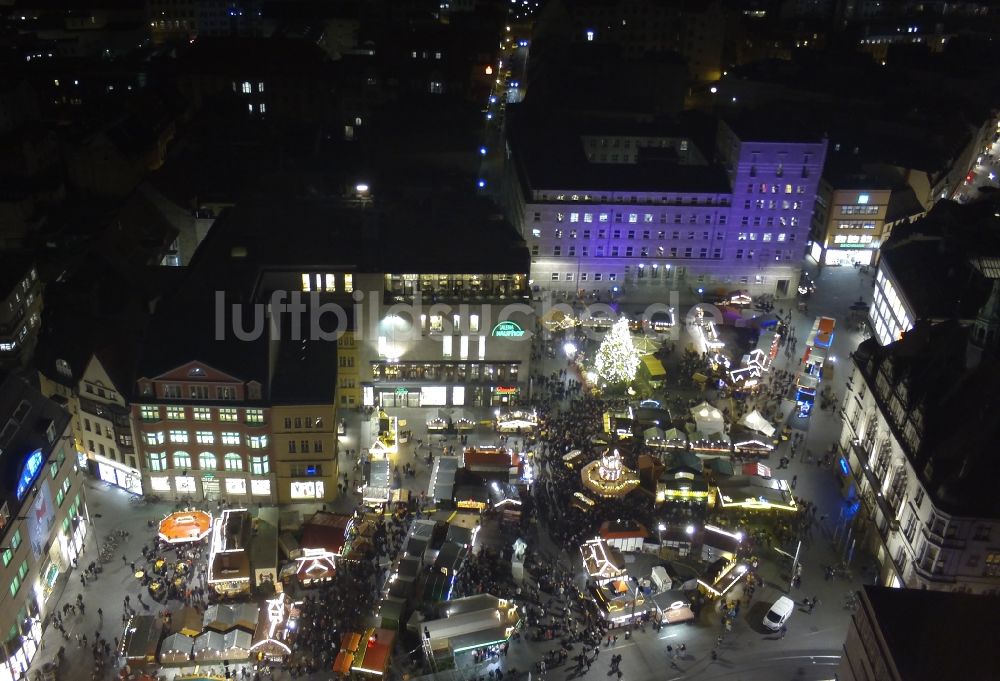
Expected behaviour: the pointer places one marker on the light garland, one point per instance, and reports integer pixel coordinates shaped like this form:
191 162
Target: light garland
617 359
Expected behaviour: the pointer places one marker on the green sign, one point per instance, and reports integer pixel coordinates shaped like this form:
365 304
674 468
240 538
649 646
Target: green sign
507 330
402 391
208 476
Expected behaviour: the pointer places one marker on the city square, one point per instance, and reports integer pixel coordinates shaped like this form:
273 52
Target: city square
473 340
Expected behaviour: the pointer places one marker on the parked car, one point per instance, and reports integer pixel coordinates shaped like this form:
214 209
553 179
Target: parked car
779 613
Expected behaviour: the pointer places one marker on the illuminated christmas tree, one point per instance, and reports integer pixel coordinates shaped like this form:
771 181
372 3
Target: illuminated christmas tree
617 359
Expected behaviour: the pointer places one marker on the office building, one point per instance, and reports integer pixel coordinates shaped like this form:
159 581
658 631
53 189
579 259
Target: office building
900 635
20 308
282 329
916 460
951 240
43 518
636 209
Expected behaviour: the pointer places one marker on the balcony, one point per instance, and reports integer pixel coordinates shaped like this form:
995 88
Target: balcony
940 540
875 485
928 572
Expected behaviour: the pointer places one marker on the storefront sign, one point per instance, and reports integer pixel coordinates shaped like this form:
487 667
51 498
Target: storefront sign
32 466
402 392
506 390
507 330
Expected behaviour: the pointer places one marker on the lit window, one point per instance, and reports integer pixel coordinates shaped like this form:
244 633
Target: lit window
446 347
330 284
463 347
306 282
230 438
247 89
260 86
348 282
482 347
474 323
862 199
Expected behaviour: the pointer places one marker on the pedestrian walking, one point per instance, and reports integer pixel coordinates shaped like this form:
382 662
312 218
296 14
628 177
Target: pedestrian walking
100 614
795 480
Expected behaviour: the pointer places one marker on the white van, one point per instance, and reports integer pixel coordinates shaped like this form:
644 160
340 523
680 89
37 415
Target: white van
779 613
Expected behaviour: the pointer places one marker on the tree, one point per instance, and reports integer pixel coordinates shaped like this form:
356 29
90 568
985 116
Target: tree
617 359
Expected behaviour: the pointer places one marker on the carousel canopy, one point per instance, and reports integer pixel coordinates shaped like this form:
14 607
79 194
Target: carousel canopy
185 526
756 422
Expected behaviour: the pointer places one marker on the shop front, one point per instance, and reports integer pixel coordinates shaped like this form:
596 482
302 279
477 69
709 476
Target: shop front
19 650
117 474
388 396
855 249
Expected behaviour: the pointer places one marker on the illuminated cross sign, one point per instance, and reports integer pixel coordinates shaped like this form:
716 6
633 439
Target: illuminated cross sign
32 466
507 330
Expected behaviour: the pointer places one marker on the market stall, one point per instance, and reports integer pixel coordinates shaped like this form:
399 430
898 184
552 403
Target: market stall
374 656
209 646
176 649
141 640
755 492
517 421
601 561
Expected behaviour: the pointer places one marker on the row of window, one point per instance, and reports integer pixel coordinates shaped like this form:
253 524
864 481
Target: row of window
303 447
773 204
327 282
633 218
307 422
204 437
853 239
859 210
173 391
855 224
630 234
207 461
152 412
765 188
665 200
765 237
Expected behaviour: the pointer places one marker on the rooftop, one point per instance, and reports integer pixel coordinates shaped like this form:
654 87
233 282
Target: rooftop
551 156
905 619
943 242
954 460
26 415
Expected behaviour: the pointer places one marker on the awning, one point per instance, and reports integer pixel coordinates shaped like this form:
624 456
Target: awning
755 421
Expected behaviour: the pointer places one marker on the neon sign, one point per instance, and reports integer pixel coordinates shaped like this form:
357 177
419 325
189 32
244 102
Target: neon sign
507 329
32 467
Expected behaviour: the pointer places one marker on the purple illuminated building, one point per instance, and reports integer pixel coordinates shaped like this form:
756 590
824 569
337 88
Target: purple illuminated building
634 209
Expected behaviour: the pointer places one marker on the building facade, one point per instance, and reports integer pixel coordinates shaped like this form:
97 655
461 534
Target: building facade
20 308
908 499
43 518
203 434
100 423
625 227
305 446
849 224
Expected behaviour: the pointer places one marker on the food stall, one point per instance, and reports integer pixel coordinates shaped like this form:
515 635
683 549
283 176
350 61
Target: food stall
141 640
374 656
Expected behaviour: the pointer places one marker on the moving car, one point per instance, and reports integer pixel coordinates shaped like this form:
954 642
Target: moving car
779 613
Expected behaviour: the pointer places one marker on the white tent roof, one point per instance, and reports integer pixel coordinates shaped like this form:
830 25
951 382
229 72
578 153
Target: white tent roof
707 418
754 421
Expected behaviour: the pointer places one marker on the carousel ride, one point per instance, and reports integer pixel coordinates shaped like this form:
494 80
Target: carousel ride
608 476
